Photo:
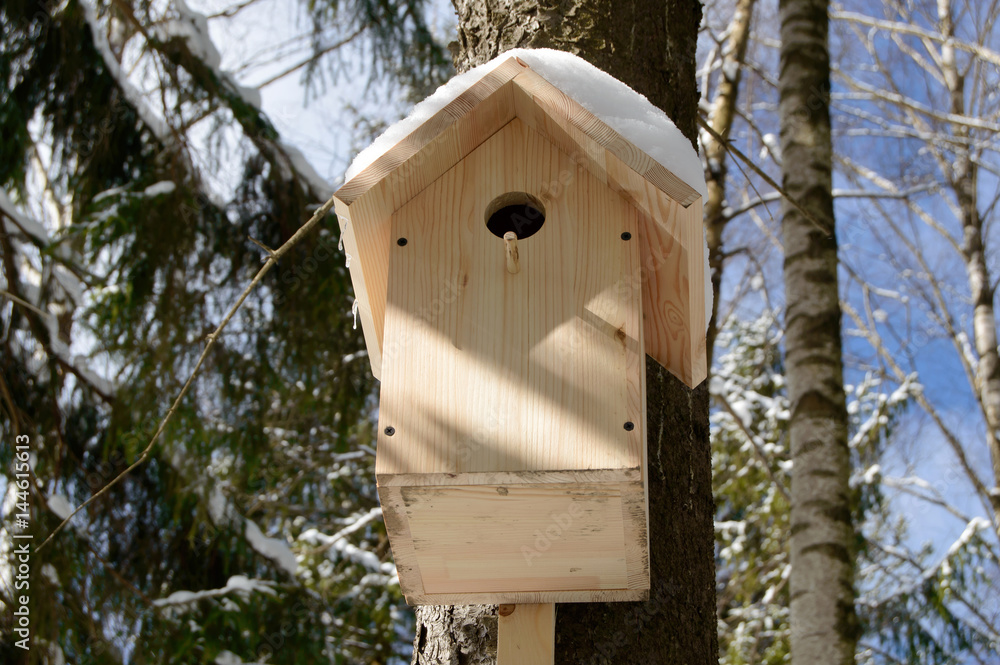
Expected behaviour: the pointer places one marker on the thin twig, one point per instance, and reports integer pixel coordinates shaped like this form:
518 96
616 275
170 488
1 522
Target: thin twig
23 303
271 260
768 179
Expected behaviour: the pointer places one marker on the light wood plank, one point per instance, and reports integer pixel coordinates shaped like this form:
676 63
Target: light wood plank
511 89
397 525
364 270
526 634
518 538
432 129
485 371
569 113
562 477
371 197
582 596
672 272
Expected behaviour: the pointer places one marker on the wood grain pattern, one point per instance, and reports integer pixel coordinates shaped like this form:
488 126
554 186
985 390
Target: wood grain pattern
672 274
515 402
509 543
564 476
526 635
675 316
587 596
518 538
485 371
370 198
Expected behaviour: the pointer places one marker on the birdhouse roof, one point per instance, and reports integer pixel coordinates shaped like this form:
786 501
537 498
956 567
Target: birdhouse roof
589 115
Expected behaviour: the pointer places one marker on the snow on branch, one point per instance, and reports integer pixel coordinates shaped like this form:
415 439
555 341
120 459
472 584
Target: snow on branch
977 50
17 223
275 549
238 584
341 548
157 125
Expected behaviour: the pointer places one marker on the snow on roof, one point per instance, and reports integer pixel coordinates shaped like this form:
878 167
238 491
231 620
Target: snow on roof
623 109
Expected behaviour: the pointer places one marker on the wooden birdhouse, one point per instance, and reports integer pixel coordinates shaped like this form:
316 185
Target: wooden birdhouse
514 260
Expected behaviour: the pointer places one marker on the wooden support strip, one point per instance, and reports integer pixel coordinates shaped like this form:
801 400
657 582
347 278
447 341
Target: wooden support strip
527 635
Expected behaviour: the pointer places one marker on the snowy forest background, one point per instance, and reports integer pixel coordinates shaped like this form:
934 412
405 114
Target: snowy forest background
144 144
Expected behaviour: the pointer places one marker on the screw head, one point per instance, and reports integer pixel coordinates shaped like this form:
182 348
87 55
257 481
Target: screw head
629 426
626 236
401 242
389 431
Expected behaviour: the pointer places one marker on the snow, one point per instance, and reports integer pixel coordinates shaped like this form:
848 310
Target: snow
69 283
250 95
339 544
305 169
49 572
218 507
192 27
132 94
624 110
230 658
273 548
731 70
975 525
239 584
771 145
21 223
162 187
60 506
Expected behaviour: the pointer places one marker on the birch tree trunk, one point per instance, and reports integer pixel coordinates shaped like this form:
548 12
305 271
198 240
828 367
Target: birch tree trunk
962 175
650 45
824 625
721 120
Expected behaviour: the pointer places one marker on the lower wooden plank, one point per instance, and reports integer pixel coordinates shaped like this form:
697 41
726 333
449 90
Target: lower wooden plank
530 597
526 634
622 475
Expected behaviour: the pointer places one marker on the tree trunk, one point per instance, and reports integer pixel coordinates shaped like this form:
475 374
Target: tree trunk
823 621
721 120
962 175
651 46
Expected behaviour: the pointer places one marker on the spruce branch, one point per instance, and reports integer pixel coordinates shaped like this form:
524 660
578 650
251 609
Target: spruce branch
272 259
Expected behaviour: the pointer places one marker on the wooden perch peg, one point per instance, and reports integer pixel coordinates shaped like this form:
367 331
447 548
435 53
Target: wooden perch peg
527 634
510 243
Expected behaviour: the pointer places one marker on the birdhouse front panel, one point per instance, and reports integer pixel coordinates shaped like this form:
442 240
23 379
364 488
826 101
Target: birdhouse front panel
511 443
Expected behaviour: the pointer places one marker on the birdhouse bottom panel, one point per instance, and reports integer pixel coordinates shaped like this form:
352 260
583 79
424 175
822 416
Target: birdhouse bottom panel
564 542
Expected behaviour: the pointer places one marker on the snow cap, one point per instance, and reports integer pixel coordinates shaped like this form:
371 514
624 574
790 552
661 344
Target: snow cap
622 108
629 144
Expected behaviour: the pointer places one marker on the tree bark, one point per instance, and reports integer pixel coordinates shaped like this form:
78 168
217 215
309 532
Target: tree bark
651 46
721 120
824 625
962 174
